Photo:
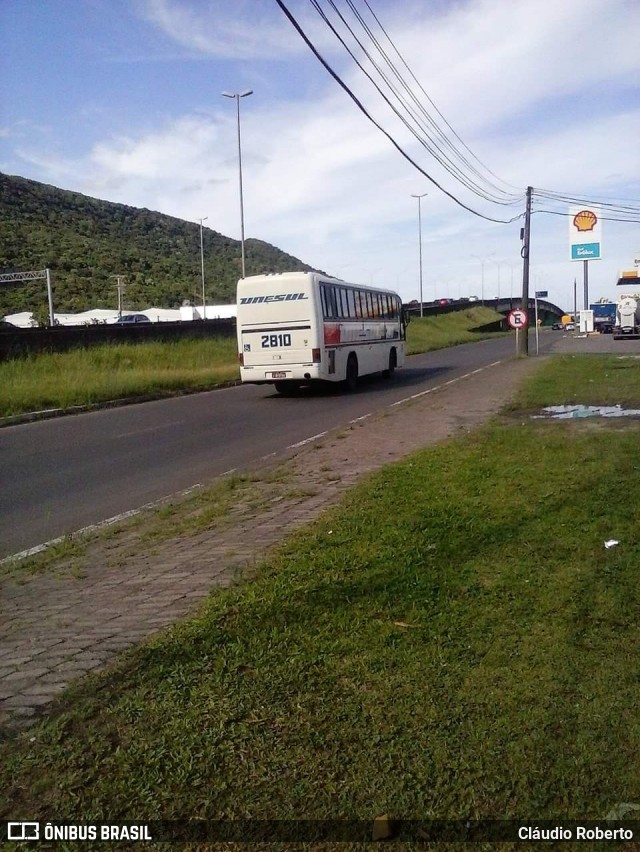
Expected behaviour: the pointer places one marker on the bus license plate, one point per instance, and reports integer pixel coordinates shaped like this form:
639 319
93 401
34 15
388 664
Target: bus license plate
280 375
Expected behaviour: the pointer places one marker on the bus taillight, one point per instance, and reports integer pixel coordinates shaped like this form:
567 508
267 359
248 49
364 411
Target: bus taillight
315 356
241 359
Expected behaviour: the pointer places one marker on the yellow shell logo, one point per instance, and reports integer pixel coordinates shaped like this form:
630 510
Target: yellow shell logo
585 220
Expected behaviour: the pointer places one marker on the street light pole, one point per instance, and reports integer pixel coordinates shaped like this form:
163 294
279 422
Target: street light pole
482 260
237 96
420 197
204 302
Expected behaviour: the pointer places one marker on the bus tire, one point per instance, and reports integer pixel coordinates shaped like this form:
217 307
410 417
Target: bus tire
351 379
393 363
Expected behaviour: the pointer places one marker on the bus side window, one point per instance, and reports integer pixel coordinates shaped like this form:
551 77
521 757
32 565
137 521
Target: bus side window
369 305
343 310
351 304
332 305
323 299
358 300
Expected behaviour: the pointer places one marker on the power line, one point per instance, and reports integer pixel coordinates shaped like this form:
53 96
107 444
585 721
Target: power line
434 145
415 79
376 124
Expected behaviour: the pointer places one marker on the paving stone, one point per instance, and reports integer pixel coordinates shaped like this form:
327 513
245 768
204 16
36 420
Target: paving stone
40 689
23 711
22 700
24 673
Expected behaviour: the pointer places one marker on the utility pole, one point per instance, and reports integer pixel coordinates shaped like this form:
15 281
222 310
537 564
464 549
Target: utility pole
204 300
523 339
120 287
420 197
586 284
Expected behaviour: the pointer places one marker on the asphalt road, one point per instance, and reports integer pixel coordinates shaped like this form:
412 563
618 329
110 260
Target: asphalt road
64 474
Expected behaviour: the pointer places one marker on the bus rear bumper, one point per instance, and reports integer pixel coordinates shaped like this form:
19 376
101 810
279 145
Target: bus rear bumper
268 376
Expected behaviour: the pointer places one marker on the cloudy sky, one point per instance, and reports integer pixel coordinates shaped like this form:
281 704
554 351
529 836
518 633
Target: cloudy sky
121 100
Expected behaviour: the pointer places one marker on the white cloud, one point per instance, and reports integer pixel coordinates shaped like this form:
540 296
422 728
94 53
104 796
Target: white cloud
243 30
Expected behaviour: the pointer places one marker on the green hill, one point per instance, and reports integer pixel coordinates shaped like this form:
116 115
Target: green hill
85 242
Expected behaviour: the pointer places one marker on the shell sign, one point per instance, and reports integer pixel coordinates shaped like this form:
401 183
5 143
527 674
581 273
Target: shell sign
585 234
585 220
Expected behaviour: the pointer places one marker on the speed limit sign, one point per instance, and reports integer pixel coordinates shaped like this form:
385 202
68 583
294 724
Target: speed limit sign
518 319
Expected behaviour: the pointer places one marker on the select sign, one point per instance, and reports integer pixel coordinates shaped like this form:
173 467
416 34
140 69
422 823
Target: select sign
518 318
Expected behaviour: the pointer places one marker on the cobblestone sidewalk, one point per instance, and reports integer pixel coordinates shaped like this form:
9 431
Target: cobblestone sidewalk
55 628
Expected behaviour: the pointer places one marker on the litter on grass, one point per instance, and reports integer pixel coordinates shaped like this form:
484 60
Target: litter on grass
568 412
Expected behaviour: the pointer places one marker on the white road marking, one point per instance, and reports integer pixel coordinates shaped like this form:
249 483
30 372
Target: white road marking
437 387
358 419
306 440
123 516
151 429
415 396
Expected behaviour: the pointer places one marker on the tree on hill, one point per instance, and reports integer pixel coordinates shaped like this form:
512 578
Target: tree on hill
86 242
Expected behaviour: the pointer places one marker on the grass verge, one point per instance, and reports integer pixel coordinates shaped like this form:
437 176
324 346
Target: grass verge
425 334
452 640
125 370
103 373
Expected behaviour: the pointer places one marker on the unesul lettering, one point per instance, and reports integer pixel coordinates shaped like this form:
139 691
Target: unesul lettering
278 297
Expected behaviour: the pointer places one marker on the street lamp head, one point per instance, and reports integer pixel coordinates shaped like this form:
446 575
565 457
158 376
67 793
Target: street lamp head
237 94
413 195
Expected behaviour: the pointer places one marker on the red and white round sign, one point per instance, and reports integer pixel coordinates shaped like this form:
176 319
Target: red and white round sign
518 318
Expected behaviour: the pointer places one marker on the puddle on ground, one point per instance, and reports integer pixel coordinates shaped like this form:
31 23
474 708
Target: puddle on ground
570 412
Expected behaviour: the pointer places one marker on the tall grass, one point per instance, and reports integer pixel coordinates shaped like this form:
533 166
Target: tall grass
101 373
437 332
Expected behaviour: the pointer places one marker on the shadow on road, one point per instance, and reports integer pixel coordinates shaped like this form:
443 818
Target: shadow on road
405 377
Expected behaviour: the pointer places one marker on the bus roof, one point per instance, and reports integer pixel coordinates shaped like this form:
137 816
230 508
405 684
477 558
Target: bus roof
286 277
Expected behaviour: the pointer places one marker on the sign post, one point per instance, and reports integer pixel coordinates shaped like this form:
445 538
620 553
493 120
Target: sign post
540 294
518 319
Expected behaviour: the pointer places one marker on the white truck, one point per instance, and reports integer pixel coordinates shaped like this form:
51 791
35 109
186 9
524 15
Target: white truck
627 322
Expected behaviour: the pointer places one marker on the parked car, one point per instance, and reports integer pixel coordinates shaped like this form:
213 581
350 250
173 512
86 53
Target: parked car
132 319
570 326
557 326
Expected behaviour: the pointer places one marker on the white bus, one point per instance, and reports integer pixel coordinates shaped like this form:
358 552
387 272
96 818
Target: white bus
295 328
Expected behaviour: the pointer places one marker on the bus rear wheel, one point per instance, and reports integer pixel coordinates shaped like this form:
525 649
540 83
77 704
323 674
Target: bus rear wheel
393 363
351 380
